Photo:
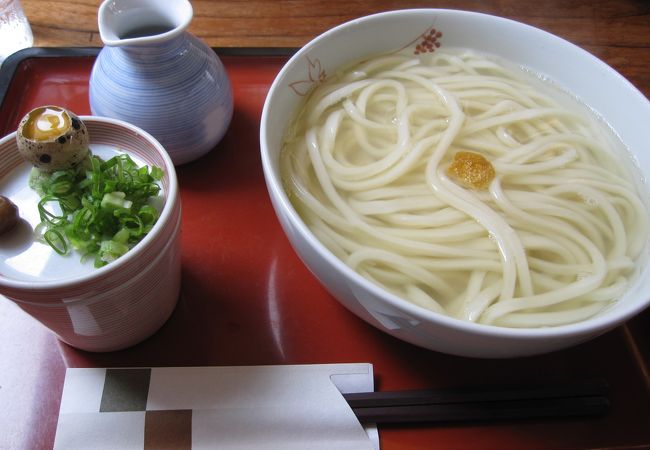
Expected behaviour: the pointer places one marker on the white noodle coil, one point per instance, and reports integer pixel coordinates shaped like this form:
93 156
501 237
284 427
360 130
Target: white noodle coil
554 239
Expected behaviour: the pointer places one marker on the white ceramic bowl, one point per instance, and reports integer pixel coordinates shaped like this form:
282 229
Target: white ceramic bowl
102 309
592 81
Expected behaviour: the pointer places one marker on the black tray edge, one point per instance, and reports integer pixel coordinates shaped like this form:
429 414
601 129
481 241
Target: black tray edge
9 66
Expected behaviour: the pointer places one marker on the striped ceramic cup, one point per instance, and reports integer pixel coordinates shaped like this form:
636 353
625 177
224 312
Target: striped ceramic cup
94 309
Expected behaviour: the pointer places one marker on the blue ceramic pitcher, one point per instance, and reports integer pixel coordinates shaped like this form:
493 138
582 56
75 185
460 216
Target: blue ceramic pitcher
154 74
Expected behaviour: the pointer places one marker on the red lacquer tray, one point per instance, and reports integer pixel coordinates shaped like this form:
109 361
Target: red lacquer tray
247 299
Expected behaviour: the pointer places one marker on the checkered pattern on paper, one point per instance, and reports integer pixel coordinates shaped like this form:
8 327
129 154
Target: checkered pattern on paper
180 408
113 403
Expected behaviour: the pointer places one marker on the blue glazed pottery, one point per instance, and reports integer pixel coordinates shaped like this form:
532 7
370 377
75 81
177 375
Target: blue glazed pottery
153 74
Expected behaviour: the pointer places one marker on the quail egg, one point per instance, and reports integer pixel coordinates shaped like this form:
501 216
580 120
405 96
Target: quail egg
52 138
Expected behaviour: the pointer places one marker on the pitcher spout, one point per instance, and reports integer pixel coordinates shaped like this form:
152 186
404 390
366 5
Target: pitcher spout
140 22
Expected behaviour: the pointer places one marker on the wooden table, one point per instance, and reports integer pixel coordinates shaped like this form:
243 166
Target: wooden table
617 31
213 324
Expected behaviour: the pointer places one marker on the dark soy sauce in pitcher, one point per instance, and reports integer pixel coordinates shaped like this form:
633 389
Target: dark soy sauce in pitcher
148 30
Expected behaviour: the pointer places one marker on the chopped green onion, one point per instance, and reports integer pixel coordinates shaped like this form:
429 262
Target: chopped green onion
157 173
122 236
116 200
100 208
56 241
46 215
109 251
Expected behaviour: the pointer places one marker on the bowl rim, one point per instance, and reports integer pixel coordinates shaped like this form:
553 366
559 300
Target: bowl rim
103 272
604 321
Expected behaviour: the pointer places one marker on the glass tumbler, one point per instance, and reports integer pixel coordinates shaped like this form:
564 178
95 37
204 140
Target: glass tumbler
15 32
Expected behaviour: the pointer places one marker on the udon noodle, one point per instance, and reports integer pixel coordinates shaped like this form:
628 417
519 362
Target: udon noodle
553 238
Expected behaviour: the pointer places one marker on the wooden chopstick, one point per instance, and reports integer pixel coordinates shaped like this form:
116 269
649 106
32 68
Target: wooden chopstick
574 398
